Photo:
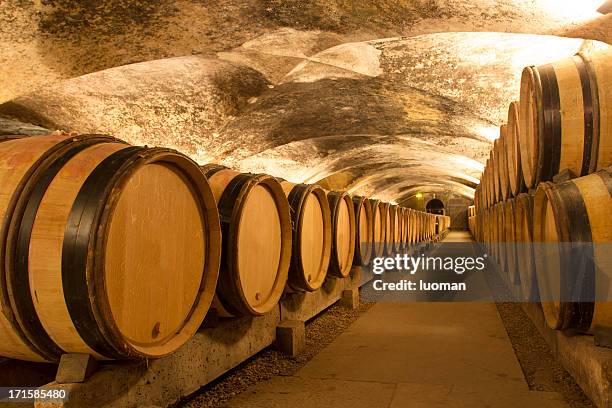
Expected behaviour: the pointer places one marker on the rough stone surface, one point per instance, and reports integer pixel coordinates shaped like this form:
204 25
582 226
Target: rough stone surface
46 41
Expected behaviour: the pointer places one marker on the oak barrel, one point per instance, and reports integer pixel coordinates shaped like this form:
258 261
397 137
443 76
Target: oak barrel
343 233
312 235
396 228
504 178
378 229
566 117
510 241
513 152
364 231
496 166
388 226
523 221
256 230
108 249
573 231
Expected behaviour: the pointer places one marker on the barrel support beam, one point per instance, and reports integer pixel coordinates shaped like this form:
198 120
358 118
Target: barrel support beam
75 368
350 298
290 337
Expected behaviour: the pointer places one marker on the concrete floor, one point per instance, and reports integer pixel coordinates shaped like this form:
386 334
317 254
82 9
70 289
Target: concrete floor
410 354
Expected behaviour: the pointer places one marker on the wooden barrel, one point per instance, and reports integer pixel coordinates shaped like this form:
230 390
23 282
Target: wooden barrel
410 226
490 180
572 230
501 237
484 183
490 183
504 178
402 225
417 226
378 228
110 250
312 235
510 242
396 228
423 217
405 229
388 226
343 233
566 117
364 231
497 197
523 221
494 233
256 229
486 231
513 152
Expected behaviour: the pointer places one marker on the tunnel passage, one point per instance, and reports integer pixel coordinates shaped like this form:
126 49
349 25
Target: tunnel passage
435 206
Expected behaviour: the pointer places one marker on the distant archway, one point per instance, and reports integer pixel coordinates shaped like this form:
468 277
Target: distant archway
435 206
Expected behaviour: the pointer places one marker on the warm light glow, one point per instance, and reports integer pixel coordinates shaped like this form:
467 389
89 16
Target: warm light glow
490 132
419 195
572 9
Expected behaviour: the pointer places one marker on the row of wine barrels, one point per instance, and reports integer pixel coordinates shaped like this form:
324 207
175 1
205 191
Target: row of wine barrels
256 229
566 117
573 229
554 247
561 122
107 249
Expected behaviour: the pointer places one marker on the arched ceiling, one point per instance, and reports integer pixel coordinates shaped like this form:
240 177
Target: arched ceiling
386 117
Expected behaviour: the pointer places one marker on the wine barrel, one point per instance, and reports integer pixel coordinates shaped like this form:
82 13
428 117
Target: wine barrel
417 226
501 238
110 250
364 231
484 180
524 237
378 224
573 230
510 242
405 230
566 117
343 233
504 178
312 235
494 233
389 230
410 226
396 228
496 167
513 153
490 182
256 229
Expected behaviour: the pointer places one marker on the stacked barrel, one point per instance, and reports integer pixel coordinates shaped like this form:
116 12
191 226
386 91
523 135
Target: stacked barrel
120 251
542 207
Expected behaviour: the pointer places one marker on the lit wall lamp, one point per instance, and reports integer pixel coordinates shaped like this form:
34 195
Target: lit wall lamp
606 8
419 195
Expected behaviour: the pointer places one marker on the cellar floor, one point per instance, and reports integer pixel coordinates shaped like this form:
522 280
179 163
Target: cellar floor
410 355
